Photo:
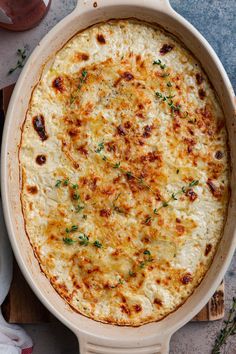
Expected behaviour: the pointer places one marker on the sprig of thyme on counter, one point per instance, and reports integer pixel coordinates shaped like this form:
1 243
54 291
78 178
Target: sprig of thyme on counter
228 330
21 53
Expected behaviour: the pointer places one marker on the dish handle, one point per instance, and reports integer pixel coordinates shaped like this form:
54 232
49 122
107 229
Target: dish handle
85 5
91 345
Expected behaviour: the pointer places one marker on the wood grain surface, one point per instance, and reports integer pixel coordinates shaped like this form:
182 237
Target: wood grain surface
22 306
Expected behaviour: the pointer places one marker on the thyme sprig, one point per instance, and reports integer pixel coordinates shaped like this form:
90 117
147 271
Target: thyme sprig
75 195
173 197
82 239
21 53
147 259
82 80
117 165
159 62
168 99
228 330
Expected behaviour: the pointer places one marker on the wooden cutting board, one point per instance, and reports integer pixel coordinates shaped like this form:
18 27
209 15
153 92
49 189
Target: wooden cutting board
22 306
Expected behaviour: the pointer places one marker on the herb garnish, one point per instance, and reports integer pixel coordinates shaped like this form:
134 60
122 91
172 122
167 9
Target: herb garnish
174 196
83 240
117 165
73 228
75 196
20 63
97 244
78 208
158 62
169 84
147 258
68 240
228 330
81 82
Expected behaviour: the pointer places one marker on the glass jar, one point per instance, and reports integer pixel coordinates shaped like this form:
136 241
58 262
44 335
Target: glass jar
21 15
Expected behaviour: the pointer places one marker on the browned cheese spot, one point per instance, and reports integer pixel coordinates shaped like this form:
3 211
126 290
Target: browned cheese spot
199 78
121 131
101 39
137 308
208 249
219 155
191 195
32 189
202 94
127 76
105 213
39 126
58 84
213 189
157 302
82 56
147 131
41 159
186 278
166 48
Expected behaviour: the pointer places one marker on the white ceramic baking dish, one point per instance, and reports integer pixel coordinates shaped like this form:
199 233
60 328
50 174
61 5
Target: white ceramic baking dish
95 337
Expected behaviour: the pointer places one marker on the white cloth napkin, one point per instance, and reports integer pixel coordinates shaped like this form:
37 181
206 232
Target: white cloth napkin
13 339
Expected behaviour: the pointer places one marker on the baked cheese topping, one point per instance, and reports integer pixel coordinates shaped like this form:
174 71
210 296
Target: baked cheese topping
125 173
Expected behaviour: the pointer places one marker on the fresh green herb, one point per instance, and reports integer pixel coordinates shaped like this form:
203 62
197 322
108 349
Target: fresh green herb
147 220
58 183
84 217
104 158
173 107
81 82
169 84
21 53
121 281
193 183
148 258
129 174
159 95
115 207
65 182
75 196
131 273
158 62
73 228
228 330
75 186
142 264
100 147
83 240
173 196
78 208
97 244
68 240
116 165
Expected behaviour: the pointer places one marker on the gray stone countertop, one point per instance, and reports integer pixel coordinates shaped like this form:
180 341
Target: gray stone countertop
215 19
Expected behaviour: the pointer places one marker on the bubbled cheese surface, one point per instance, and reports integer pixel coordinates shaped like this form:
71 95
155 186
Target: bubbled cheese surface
124 173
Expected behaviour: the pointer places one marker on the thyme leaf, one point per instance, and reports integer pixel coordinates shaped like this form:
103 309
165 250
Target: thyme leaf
21 53
228 330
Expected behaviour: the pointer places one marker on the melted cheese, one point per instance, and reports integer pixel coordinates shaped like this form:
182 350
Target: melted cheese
122 119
